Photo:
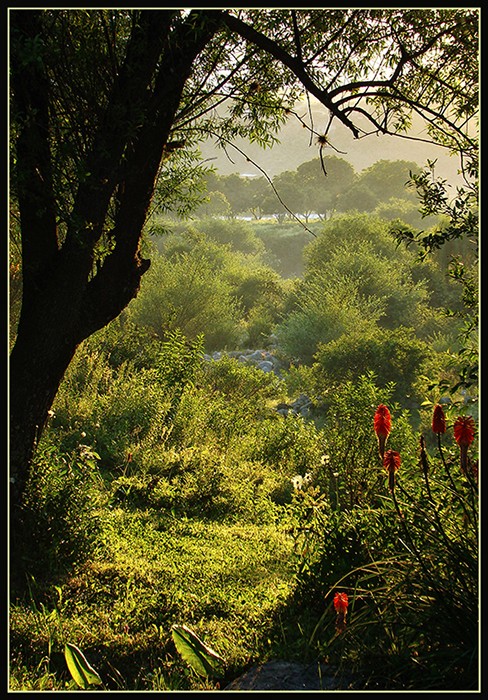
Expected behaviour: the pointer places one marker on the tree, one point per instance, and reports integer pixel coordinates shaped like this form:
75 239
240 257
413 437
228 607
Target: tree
389 178
290 192
189 294
357 282
322 192
89 146
216 204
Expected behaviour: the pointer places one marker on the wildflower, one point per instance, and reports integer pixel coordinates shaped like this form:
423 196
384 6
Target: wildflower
464 429
391 463
438 420
297 482
341 602
382 426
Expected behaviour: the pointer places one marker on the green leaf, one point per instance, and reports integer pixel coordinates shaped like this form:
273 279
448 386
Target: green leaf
81 671
203 660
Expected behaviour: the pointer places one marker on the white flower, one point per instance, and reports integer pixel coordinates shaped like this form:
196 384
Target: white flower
297 482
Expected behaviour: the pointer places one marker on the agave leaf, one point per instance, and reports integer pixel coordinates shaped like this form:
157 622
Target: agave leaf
81 671
203 660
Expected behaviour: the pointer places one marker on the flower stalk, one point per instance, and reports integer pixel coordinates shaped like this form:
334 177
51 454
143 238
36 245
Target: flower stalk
391 462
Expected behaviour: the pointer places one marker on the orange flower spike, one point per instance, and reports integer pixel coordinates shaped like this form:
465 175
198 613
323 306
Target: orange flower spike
438 420
464 430
382 427
391 462
341 602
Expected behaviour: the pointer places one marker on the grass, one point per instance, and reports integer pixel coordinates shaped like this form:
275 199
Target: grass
150 571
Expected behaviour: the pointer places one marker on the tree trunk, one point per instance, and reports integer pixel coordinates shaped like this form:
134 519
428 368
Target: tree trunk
37 365
64 299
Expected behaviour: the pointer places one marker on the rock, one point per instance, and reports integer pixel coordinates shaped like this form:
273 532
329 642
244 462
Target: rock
257 355
265 366
285 675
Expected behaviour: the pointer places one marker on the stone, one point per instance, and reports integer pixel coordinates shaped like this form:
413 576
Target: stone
285 675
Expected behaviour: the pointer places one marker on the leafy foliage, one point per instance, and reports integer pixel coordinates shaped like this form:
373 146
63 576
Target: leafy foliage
395 356
83 673
201 658
188 293
167 488
407 562
359 286
215 510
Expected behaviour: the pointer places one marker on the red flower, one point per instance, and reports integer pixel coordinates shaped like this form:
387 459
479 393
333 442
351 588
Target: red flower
438 420
341 601
464 430
391 463
382 426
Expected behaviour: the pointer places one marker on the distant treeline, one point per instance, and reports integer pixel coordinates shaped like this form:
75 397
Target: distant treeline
316 189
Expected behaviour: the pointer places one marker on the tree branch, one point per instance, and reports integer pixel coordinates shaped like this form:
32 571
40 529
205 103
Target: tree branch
296 67
35 185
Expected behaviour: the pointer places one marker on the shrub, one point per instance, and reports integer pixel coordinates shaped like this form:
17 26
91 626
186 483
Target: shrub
395 357
239 235
324 313
188 293
60 515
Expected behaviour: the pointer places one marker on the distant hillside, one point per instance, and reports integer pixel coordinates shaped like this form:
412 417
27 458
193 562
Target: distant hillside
295 148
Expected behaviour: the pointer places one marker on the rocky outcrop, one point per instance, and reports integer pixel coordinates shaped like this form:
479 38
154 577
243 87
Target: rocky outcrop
285 675
267 361
264 360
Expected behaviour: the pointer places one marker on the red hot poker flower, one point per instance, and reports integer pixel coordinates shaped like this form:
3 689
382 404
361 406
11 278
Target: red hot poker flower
464 430
438 420
391 463
341 601
382 426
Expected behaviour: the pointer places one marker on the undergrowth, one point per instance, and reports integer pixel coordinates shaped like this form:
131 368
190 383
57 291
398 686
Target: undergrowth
168 493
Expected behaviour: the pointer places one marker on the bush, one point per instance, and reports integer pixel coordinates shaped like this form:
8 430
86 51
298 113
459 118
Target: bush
238 235
395 357
60 515
188 293
324 313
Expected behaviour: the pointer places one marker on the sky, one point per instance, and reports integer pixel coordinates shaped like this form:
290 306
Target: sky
296 148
